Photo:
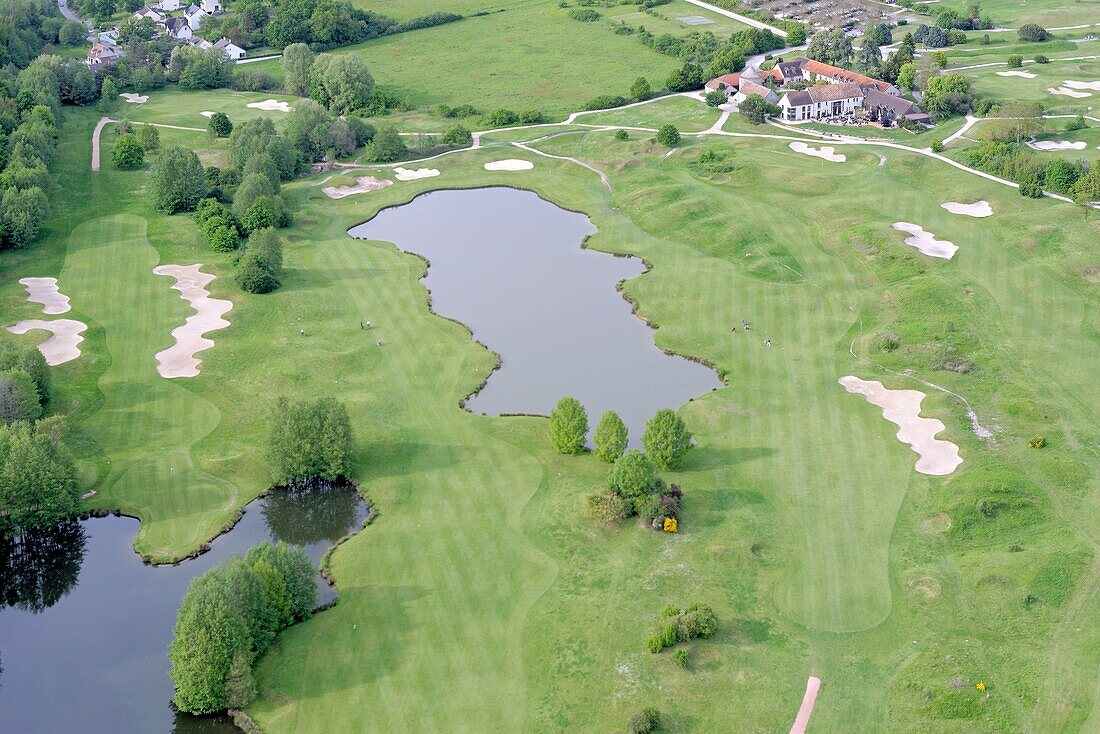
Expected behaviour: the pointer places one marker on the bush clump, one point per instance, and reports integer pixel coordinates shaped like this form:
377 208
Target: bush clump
668 136
644 722
681 625
568 426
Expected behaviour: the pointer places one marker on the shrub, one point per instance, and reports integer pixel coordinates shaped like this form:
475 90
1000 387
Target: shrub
666 439
682 657
387 145
715 98
936 146
668 135
605 102
532 117
148 136
756 109
644 722
622 135
1040 59
458 136
611 437
1032 32
568 426
1077 123
1015 61
1030 184
632 476
640 90
606 507
501 118
1036 442
127 152
584 15
219 125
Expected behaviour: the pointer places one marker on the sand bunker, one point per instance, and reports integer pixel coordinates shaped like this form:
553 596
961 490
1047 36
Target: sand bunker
826 152
813 685
206 113
977 209
511 164
62 346
926 242
1056 145
404 174
270 105
363 184
902 407
135 98
1094 86
1023 74
179 359
1067 92
45 291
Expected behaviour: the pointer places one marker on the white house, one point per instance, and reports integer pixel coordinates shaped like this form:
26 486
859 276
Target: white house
194 15
200 43
177 28
211 6
229 49
147 12
828 100
169 5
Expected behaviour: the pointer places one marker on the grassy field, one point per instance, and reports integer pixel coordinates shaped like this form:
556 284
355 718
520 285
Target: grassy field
1049 13
988 83
666 19
686 114
481 599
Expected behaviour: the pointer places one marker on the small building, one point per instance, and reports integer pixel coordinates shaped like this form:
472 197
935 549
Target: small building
194 16
102 54
229 49
747 89
147 12
169 5
210 7
790 72
178 28
727 83
199 43
826 100
887 109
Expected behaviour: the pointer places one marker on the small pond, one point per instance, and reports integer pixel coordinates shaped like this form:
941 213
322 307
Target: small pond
511 266
85 625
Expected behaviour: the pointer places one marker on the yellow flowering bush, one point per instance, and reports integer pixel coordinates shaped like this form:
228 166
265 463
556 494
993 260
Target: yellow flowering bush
670 525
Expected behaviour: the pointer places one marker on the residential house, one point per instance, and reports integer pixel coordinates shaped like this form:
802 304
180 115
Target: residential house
194 15
229 49
727 83
815 71
169 5
790 71
826 100
147 12
177 28
199 43
747 89
102 54
887 109
210 7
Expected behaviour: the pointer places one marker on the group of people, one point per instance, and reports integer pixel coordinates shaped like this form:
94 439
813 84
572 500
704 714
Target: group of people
745 326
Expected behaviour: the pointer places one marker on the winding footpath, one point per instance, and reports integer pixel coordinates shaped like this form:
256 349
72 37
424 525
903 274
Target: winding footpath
104 121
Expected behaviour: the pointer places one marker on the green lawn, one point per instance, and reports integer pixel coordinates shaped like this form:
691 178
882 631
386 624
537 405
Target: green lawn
686 114
481 599
666 19
185 109
988 83
1049 13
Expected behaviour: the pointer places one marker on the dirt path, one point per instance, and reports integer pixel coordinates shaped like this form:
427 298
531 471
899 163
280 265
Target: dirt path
813 685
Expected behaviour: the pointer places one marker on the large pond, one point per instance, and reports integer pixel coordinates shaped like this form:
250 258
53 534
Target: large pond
511 266
85 625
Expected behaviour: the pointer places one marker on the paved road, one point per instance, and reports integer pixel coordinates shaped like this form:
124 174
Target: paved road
741 18
63 6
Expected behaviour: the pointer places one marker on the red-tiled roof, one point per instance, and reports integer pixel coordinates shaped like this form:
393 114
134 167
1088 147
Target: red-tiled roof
835 72
730 80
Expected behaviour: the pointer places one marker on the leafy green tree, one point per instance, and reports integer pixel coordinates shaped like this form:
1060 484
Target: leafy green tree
568 426
666 439
72 33
668 135
633 476
388 145
1032 32
715 98
179 182
296 573
685 79
38 484
219 125
1061 175
341 83
265 212
309 440
19 399
756 109
458 136
868 60
297 65
149 137
22 213
253 186
127 152
31 361
307 129
269 245
831 47
907 76
611 437
240 685
254 276
948 94
108 95
640 90
1031 185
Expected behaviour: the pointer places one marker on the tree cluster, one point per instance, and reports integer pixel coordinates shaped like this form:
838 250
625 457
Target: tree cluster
831 47
310 440
947 94
680 625
179 182
757 110
1010 159
38 481
28 26
261 264
229 618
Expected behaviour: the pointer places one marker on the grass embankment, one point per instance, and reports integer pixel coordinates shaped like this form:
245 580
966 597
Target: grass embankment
482 600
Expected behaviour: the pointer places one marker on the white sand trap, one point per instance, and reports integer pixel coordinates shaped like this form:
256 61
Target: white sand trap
1022 74
1067 92
511 164
1094 86
45 291
62 346
1056 145
977 209
135 98
813 685
363 184
902 407
405 174
826 152
179 359
926 242
206 113
270 105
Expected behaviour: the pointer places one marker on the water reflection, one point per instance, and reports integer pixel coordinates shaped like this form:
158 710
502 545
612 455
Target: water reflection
84 634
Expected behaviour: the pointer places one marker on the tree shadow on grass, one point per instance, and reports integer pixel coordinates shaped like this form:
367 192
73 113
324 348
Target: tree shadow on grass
395 458
701 458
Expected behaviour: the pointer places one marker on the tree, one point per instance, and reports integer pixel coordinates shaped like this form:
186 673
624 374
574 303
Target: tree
948 94
219 125
880 33
1030 184
633 476
1087 188
640 90
611 437
38 486
253 186
568 426
127 152
296 574
1032 32
342 83
666 439
253 276
868 59
148 136
309 441
756 109
307 128
1061 175
297 65
830 47
715 98
907 76
458 136
22 213
31 361
178 181
388 145
685 79
668 135
1015 61
72 33
19 398
240 686
108 95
